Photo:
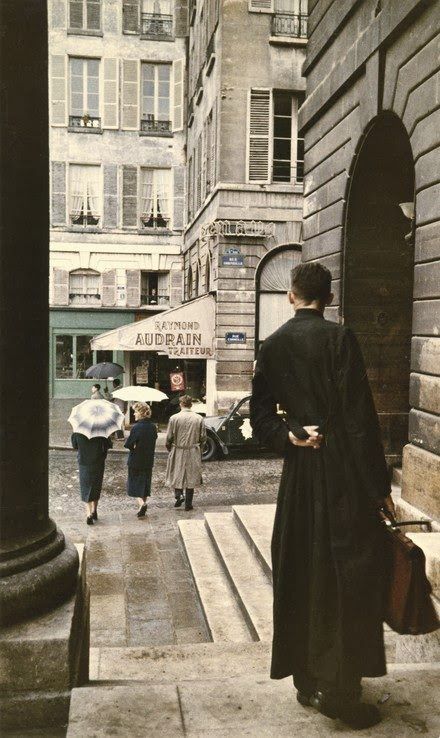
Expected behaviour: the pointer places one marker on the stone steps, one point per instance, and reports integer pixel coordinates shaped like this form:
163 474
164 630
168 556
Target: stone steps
248 704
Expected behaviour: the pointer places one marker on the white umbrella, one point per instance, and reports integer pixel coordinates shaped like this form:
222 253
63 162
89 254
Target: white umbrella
94 418
136 393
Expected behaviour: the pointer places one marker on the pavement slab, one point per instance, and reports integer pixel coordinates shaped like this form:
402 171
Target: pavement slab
256 524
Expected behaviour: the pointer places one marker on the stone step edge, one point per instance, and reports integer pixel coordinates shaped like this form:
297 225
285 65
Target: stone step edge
181 526
253 545
234 588
409 512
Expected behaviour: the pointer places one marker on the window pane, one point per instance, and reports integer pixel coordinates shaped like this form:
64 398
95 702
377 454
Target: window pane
76 66
84 356
147 71
104 356
164 71
93 67
281 148
282 127
64 357
282 103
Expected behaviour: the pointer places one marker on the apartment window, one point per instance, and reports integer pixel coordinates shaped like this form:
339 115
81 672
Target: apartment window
155 204
84 195
85 15
84 287
275 153
290 18
84 93
157 19
155 94
155 289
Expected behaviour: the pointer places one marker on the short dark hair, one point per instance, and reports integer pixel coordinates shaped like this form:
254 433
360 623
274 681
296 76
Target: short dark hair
98 386
116 382
186 401
311 282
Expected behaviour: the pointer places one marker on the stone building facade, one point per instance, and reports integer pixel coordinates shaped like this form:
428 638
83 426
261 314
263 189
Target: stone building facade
117 139
371 124
244 171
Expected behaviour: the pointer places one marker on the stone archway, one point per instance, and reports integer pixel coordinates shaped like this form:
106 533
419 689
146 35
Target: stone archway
378 270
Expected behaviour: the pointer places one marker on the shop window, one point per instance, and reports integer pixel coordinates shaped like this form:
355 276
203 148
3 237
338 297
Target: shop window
84 356
84 195
84 287
64 357
101 356
155 205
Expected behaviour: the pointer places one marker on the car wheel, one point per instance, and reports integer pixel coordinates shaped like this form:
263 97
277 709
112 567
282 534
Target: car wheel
210 449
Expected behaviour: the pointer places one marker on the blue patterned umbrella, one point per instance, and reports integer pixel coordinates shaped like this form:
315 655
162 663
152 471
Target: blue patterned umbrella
95 418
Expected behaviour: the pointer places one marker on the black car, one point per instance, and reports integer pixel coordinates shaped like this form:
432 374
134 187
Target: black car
229 432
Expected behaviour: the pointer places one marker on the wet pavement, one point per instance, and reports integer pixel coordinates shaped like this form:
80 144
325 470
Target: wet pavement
142 590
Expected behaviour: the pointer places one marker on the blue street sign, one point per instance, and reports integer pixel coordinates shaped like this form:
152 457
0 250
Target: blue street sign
233 260
232 337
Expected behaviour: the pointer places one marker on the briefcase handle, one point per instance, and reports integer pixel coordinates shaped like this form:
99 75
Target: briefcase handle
390 520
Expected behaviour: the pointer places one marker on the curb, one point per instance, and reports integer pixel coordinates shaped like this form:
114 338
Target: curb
124 451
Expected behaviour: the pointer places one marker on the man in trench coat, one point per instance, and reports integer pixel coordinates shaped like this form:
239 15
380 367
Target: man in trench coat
327 545
185 438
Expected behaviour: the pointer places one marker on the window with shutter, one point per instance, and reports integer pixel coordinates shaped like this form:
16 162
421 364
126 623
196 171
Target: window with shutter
178 70
133 277
259 136
129 197
208 145
130 16
60 287
85 15
179 197
84 287
213 151
110 106
110 173
85 195
175 287
84 93
261 6
155 97
58 90
109 288
199 173
58 193
189 192
130 94
155 206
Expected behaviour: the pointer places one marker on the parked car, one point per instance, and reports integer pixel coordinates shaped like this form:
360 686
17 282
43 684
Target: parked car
229 432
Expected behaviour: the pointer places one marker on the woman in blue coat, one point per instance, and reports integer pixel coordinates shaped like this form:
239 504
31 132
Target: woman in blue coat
92 453
141 442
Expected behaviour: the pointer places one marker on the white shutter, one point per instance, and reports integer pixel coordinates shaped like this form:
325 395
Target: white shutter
110 97
261 6
176 287
213 152
178 67
60 287
108 295
58 92
133 277
260 108
130 94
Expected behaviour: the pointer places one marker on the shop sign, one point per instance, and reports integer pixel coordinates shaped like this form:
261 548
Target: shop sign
233 337
177 381
236 260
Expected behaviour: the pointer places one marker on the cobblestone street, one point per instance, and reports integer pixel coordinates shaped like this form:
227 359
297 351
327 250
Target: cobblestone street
142 590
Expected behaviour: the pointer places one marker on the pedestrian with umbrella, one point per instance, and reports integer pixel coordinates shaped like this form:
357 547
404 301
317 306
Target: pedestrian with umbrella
103 370
93 421
141 443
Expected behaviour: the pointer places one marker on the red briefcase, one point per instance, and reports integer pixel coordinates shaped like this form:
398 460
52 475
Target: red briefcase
408 605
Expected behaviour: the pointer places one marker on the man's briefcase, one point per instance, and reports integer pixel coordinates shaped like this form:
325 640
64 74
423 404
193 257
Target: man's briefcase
408 605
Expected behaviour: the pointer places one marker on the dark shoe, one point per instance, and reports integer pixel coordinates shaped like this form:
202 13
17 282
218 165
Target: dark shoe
357 715
188 508
95 515
325 704
89 520
303 698
142 510
179 501
188 500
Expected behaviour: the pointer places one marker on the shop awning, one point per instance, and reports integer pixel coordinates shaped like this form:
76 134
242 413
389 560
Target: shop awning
186 331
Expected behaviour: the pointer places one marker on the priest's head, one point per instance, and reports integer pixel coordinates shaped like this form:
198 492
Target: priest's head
310 286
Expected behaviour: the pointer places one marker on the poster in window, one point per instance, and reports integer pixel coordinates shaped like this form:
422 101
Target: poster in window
142 373
177 381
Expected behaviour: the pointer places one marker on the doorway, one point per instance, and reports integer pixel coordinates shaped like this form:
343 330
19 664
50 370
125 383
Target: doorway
379 269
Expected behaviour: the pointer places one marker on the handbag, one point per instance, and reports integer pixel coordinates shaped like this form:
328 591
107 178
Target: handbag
409 609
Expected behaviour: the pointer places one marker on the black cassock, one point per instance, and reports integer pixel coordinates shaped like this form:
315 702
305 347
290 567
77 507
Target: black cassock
327 545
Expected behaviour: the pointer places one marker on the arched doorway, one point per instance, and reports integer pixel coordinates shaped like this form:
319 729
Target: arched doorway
272 285
378 270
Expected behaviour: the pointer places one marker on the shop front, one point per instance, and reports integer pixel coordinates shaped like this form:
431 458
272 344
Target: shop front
172 352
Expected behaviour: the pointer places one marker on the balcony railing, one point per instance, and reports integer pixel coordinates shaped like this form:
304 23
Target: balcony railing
84 121
157 25
84 297
162 299
150 125
155 221
289 24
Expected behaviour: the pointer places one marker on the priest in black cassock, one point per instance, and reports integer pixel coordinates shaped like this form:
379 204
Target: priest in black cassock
327 545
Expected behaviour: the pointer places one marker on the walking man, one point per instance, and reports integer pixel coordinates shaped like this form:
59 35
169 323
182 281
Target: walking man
186 435
327 545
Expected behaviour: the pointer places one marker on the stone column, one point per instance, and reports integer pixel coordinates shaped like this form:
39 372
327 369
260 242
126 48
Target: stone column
38 569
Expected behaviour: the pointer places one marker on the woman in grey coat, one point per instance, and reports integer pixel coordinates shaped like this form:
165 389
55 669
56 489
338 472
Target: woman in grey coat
185 438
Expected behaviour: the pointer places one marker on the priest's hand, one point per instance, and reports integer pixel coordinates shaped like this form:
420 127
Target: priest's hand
313 441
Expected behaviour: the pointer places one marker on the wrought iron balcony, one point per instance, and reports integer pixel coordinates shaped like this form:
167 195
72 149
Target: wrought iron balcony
157 25
150 125
289 24
162 299
158 221
84 297
84 121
